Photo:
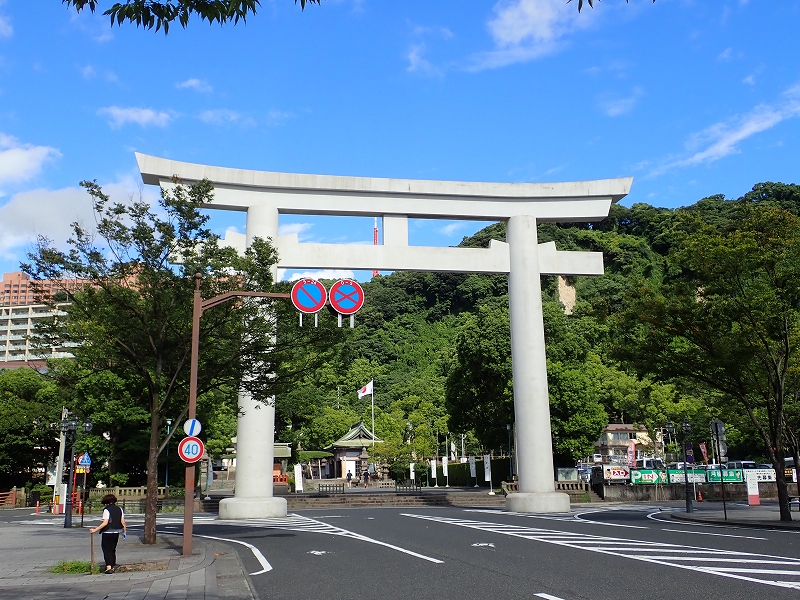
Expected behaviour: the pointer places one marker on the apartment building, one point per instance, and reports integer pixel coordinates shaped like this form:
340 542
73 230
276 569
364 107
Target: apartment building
16 289
19 314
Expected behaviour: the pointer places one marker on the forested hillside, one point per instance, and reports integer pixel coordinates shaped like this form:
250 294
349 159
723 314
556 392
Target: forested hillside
695 318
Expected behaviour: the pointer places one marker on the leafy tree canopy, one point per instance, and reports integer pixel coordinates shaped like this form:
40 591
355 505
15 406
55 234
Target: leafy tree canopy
160 14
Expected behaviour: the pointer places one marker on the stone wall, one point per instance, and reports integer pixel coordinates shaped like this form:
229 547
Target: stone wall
676 491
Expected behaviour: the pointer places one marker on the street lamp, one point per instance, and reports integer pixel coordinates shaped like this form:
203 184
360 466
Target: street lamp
69 427
166 454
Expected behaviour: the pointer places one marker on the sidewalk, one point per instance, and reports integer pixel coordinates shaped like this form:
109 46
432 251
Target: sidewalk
30 551
765 516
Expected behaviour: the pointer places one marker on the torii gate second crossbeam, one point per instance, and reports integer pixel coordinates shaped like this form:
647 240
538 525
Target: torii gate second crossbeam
265 195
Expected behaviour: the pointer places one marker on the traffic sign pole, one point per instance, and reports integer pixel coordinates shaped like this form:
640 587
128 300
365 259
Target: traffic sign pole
197 311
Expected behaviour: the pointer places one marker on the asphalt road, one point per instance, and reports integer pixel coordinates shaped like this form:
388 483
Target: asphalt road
604 553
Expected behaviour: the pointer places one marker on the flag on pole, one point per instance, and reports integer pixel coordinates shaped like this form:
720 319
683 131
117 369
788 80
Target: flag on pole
365 391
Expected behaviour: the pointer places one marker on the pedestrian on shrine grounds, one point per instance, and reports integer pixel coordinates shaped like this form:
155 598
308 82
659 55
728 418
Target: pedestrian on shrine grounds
349 478
366 478
113 524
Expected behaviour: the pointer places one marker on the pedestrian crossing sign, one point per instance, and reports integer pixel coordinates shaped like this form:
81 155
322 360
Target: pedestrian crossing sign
84 460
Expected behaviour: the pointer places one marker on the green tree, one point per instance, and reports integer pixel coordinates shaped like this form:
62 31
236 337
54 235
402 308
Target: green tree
133 316
160 14
727 320
29 406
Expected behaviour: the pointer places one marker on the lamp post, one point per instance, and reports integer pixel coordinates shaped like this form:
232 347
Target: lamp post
69 427
166 454
687 428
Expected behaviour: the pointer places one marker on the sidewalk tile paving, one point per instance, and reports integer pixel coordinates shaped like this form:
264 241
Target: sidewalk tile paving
30 551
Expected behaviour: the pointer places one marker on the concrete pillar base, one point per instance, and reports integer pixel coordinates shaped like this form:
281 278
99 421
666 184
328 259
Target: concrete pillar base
237 509
537 502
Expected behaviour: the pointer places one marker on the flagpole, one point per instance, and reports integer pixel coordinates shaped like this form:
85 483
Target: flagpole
373 413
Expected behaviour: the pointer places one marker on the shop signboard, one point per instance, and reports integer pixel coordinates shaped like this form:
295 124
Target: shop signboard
763 475
728 475
616 473
648 477
695 476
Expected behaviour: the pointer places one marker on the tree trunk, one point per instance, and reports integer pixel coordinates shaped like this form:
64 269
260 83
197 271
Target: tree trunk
783 490
152 479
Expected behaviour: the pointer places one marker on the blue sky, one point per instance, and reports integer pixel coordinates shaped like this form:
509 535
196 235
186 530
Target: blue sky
691 98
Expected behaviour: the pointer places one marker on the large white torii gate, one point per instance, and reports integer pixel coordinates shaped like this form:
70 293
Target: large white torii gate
265 195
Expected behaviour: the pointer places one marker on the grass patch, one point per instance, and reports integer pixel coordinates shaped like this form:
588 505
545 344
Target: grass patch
77 567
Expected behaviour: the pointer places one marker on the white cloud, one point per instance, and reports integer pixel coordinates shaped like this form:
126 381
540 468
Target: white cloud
20 162
276 117
726 54
749 80
417 61
50 213
524 30
195 84
88 72
6 30
615 106
323 274
723 138
219 116
119 116
452 228
298 228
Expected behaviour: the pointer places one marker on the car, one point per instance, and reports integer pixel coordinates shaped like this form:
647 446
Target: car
742 464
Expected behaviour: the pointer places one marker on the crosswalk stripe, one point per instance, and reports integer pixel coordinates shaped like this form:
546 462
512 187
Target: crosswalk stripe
741 565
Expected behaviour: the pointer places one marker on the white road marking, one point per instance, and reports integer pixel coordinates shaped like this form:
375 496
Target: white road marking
674 555
482 544
547 596
578 517
265 566
296 522
318 552
747 537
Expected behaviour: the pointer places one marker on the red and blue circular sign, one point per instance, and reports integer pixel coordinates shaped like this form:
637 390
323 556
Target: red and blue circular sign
191 449
309 296
347 297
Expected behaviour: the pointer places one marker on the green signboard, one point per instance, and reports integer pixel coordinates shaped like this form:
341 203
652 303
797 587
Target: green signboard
648 476
695 476
728 475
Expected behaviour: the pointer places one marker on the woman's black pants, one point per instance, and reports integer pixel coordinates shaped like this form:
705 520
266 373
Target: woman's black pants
109 546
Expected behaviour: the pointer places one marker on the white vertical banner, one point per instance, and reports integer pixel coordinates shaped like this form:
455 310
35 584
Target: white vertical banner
411 471
433 471
472 471
298 477
487 472
445 474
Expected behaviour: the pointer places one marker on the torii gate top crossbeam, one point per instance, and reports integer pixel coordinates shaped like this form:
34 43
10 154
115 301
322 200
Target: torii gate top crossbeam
292 193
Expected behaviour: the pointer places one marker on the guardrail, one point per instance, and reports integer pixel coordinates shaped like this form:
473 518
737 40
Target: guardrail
8 498
407 486
133 493
330 488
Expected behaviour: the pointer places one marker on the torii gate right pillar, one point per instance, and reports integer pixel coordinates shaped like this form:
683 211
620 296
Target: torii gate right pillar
529 366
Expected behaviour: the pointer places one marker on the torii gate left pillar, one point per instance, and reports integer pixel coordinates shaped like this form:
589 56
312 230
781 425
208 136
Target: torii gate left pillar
265 195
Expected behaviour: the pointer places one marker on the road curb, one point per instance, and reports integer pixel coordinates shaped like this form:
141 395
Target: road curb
780 525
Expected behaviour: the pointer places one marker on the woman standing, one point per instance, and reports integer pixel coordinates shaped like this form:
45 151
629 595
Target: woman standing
113 524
